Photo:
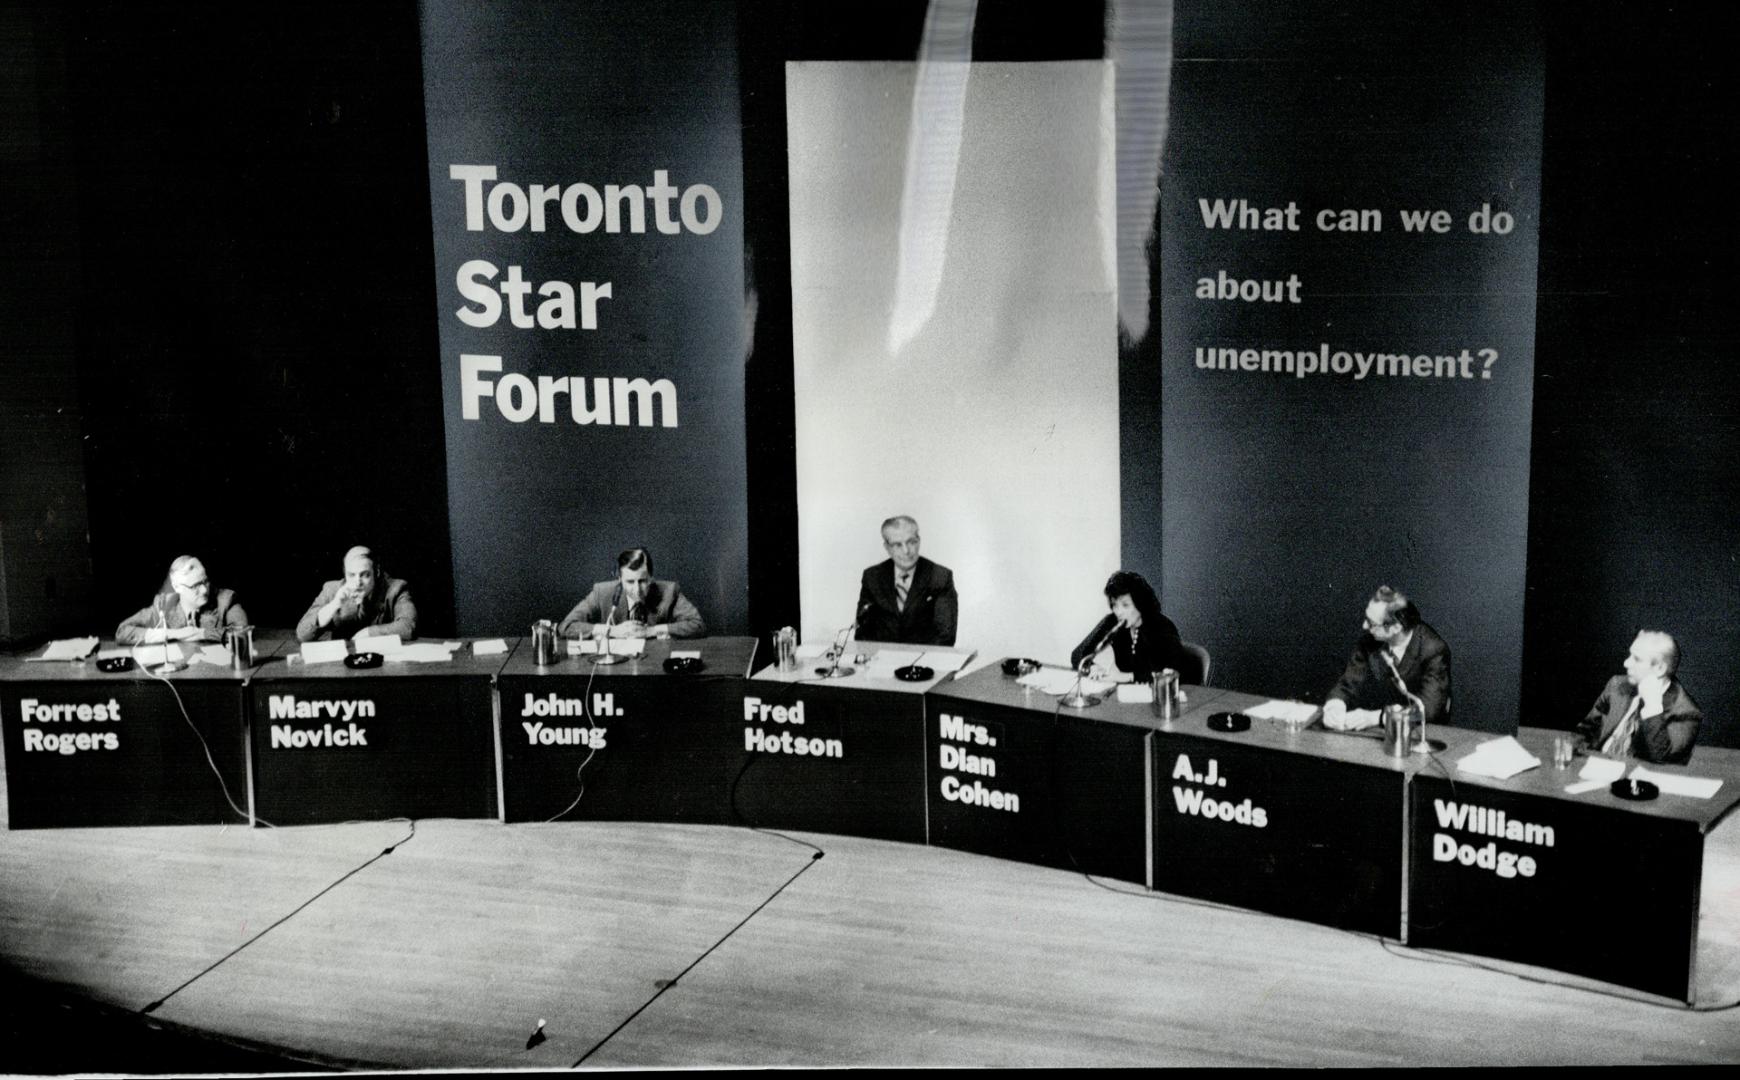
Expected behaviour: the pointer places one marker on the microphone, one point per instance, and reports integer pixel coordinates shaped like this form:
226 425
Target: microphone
1076 699
168 666
1088 657
1422 745
834 670
604 656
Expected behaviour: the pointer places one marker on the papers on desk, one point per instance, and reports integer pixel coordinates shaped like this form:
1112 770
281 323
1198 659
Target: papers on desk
169 653
1692 787
685 654
67 649
384 644
324 652
619 646
492 647
810 652
215 655
1500 759
111 654
1602 770
1134 693
1060 681
1296 714
423 652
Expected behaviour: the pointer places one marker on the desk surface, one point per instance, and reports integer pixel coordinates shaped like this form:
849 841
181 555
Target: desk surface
721 655
16 668
1714 762
861 677
278 668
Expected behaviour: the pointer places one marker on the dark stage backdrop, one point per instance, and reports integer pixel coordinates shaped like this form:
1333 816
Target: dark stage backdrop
585 177
1349 220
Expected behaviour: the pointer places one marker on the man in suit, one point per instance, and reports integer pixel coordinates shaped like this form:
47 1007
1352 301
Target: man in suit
1645 713
368 602
635 605
906 598
1396 643
186 609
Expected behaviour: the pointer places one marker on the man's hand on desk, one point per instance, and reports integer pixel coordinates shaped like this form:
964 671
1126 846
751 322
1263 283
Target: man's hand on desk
1338 717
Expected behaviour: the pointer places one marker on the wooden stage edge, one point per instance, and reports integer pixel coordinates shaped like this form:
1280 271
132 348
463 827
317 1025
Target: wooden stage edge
310 945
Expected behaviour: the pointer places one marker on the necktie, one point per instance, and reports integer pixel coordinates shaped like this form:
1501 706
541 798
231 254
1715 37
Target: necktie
1618 744
902 582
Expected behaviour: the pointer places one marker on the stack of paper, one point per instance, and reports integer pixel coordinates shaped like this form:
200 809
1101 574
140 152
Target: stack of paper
619 646
169 653
324 652
68 649
1695 787
1051 680
491 647
1499 759
1135 693
215 655
1291 713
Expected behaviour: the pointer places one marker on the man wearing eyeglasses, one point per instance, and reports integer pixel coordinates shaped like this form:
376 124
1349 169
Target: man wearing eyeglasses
907 598
1396 647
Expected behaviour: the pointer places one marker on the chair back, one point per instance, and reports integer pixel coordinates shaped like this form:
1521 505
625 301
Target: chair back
1202 658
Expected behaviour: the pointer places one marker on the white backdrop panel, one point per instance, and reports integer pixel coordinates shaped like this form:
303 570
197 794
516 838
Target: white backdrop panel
954 337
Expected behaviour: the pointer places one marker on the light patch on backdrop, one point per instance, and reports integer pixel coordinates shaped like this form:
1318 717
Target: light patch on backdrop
994 421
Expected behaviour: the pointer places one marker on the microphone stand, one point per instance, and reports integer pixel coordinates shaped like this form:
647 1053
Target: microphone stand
834 670
604 657
1422 745
168 667
1076 699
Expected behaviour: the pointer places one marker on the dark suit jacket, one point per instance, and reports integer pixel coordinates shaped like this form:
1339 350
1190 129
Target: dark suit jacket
1424 666
665 606
388 610
932 607
221 611
1665 739
1157 647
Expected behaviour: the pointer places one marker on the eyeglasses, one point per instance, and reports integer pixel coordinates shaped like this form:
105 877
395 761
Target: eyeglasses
1385 625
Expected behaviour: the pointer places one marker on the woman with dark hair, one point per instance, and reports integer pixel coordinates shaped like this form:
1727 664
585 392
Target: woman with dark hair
1143 640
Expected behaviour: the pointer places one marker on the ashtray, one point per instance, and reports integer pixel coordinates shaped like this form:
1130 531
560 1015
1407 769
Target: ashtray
914 673
1229 721
683 665
363 660
115 663
1020 665
1634 790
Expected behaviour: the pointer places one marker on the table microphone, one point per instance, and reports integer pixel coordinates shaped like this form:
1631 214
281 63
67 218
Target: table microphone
604 656
834 670
168 666
1075 699
1422 745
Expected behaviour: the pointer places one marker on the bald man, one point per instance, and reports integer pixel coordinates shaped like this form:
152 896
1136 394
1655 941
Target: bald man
367 602
187 609
1645 713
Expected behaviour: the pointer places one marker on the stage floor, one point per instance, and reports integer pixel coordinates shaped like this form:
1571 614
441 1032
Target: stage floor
660 945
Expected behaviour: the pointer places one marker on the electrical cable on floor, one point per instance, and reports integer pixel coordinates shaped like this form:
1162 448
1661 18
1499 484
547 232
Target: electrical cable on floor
383 853
667 984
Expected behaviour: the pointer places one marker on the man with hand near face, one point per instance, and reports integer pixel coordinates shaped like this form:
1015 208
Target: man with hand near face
366 603
1396 644
907 598
635 605
1645 713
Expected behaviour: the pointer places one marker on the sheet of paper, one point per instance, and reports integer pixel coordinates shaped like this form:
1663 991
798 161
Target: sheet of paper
491 647
810 652
216 655
685 654
68 649
1290 712
1583 787
1500 759
1060 681
1131 693
158 654
324 652
619 646
381 643
421 652
1692 787
1602 770
110 654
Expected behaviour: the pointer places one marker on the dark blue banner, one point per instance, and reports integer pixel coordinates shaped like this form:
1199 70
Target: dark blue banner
1349 205
585 172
